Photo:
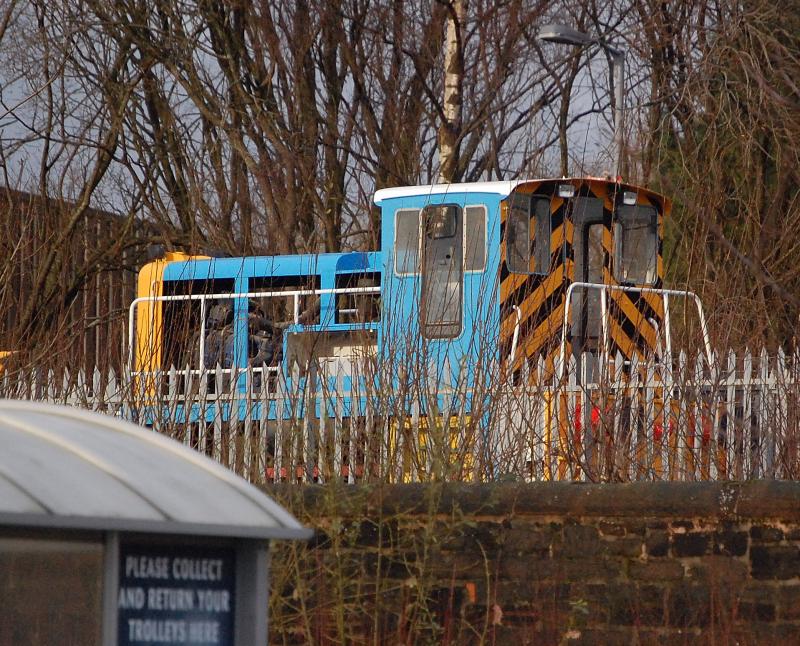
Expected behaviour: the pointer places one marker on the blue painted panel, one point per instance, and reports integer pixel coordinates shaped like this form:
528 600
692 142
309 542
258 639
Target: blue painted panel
325 265
398 330
401 293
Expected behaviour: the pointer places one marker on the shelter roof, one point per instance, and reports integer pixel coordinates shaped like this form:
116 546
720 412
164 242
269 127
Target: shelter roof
72 469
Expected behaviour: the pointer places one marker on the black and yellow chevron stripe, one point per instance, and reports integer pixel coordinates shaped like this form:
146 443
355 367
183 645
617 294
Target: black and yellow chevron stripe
538 300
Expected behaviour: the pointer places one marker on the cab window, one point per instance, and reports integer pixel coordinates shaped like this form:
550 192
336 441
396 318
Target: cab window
636 245
528 234
406 241
475 238
442 272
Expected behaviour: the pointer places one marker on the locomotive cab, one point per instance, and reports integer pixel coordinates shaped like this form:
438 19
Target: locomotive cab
579 270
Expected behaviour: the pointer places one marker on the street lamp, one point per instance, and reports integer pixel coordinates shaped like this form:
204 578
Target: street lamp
568 36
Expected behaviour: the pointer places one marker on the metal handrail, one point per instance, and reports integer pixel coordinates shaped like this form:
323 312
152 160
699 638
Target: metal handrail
295 294
604 289
515 337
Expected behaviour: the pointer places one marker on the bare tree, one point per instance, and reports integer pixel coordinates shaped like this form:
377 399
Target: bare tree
264 128
722 126
72 143
450 127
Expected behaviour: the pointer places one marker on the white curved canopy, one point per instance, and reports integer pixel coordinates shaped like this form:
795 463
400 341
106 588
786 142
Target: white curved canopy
73 469
502 188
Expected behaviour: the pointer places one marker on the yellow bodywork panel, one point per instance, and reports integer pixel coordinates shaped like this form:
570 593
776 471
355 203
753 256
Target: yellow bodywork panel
5 354
149 337
437 452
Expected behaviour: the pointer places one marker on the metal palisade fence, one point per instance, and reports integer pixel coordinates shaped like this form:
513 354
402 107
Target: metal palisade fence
737 417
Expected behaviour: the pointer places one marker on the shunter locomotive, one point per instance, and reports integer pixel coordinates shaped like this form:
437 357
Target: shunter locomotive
482 279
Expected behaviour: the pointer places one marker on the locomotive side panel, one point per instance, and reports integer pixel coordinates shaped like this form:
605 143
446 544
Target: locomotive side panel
440 294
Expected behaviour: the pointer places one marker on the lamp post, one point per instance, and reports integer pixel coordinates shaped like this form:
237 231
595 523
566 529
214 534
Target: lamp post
568 36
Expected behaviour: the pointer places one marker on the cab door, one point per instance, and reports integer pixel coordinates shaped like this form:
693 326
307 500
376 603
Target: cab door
441 307
589 226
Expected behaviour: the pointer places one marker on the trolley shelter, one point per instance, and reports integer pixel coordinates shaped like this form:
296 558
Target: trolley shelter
111 534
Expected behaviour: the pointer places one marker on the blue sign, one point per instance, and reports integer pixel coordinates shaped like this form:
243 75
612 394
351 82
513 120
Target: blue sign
176 595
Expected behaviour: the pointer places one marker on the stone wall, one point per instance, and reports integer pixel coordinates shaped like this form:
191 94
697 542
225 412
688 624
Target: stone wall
543 563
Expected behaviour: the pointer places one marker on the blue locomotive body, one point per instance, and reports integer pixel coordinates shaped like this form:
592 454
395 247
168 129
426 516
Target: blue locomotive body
472 280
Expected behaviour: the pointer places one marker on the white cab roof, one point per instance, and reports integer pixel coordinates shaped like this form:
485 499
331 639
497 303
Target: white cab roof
67 468
500 188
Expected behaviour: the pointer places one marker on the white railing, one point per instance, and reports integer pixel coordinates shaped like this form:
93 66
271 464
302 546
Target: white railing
735 417
606 289
294 294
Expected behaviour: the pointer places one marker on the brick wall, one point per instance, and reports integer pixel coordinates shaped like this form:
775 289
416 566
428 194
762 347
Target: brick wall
542 564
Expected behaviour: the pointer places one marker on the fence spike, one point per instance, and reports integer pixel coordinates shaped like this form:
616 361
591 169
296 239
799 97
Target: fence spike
741 405
731 364
51 395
